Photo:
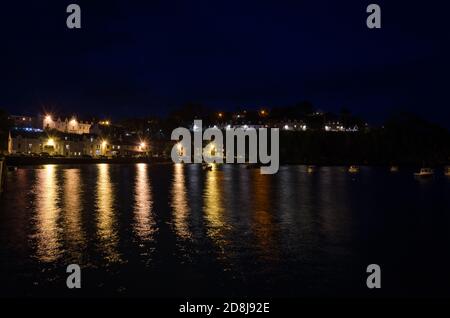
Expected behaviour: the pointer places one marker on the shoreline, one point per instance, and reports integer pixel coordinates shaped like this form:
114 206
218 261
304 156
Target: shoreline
35 161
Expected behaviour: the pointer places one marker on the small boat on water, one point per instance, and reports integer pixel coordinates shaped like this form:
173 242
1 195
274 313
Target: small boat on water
447 171
207 167
12 168
353 169
311 169
394 169
425 172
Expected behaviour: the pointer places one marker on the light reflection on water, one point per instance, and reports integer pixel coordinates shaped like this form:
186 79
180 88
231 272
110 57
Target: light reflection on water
213 206
263 220
48 244
106 214
288 232
72 213
179 203
144 225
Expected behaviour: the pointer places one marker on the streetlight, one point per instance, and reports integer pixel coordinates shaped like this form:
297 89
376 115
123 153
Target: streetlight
51 142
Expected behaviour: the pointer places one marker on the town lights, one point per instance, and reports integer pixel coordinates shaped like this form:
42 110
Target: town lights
51 142
143 145
73 121
104 143
48 118
180 149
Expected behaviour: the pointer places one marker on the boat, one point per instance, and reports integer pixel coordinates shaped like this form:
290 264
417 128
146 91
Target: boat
207 167
447 171
311 169
12 168
425 172
393 169
353 169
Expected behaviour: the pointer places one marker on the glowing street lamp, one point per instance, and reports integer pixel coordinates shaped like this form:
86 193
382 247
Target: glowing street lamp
51 142
180 149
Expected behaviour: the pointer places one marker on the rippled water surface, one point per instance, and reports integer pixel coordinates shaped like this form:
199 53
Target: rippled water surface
175 230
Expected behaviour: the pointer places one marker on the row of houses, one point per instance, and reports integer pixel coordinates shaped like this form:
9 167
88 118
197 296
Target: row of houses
55 143
67 125
287 125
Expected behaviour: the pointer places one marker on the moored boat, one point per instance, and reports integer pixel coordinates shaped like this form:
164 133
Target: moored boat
447 171
311 169
207 167
424 172
353 169
394 169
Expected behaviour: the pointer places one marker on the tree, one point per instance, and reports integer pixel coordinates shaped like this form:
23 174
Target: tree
304 108
5 124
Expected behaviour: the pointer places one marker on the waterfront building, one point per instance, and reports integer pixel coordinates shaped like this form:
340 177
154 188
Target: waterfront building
337 126
70 126
75 145
25 122
26 143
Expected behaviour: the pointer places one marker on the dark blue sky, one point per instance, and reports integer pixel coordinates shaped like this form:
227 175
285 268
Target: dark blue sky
134 58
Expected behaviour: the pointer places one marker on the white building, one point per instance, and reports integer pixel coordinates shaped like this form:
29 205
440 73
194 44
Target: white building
75 145
72 126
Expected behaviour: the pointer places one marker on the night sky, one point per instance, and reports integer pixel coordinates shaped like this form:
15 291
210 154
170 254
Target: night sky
138 58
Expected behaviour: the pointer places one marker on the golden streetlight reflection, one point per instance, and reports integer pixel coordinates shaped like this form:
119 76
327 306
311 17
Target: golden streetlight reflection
48 242
180 203
263 219
214 211
72 212
106 227
143 216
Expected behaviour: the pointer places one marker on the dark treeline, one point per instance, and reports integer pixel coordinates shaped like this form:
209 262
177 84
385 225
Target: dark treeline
4 128
404 139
